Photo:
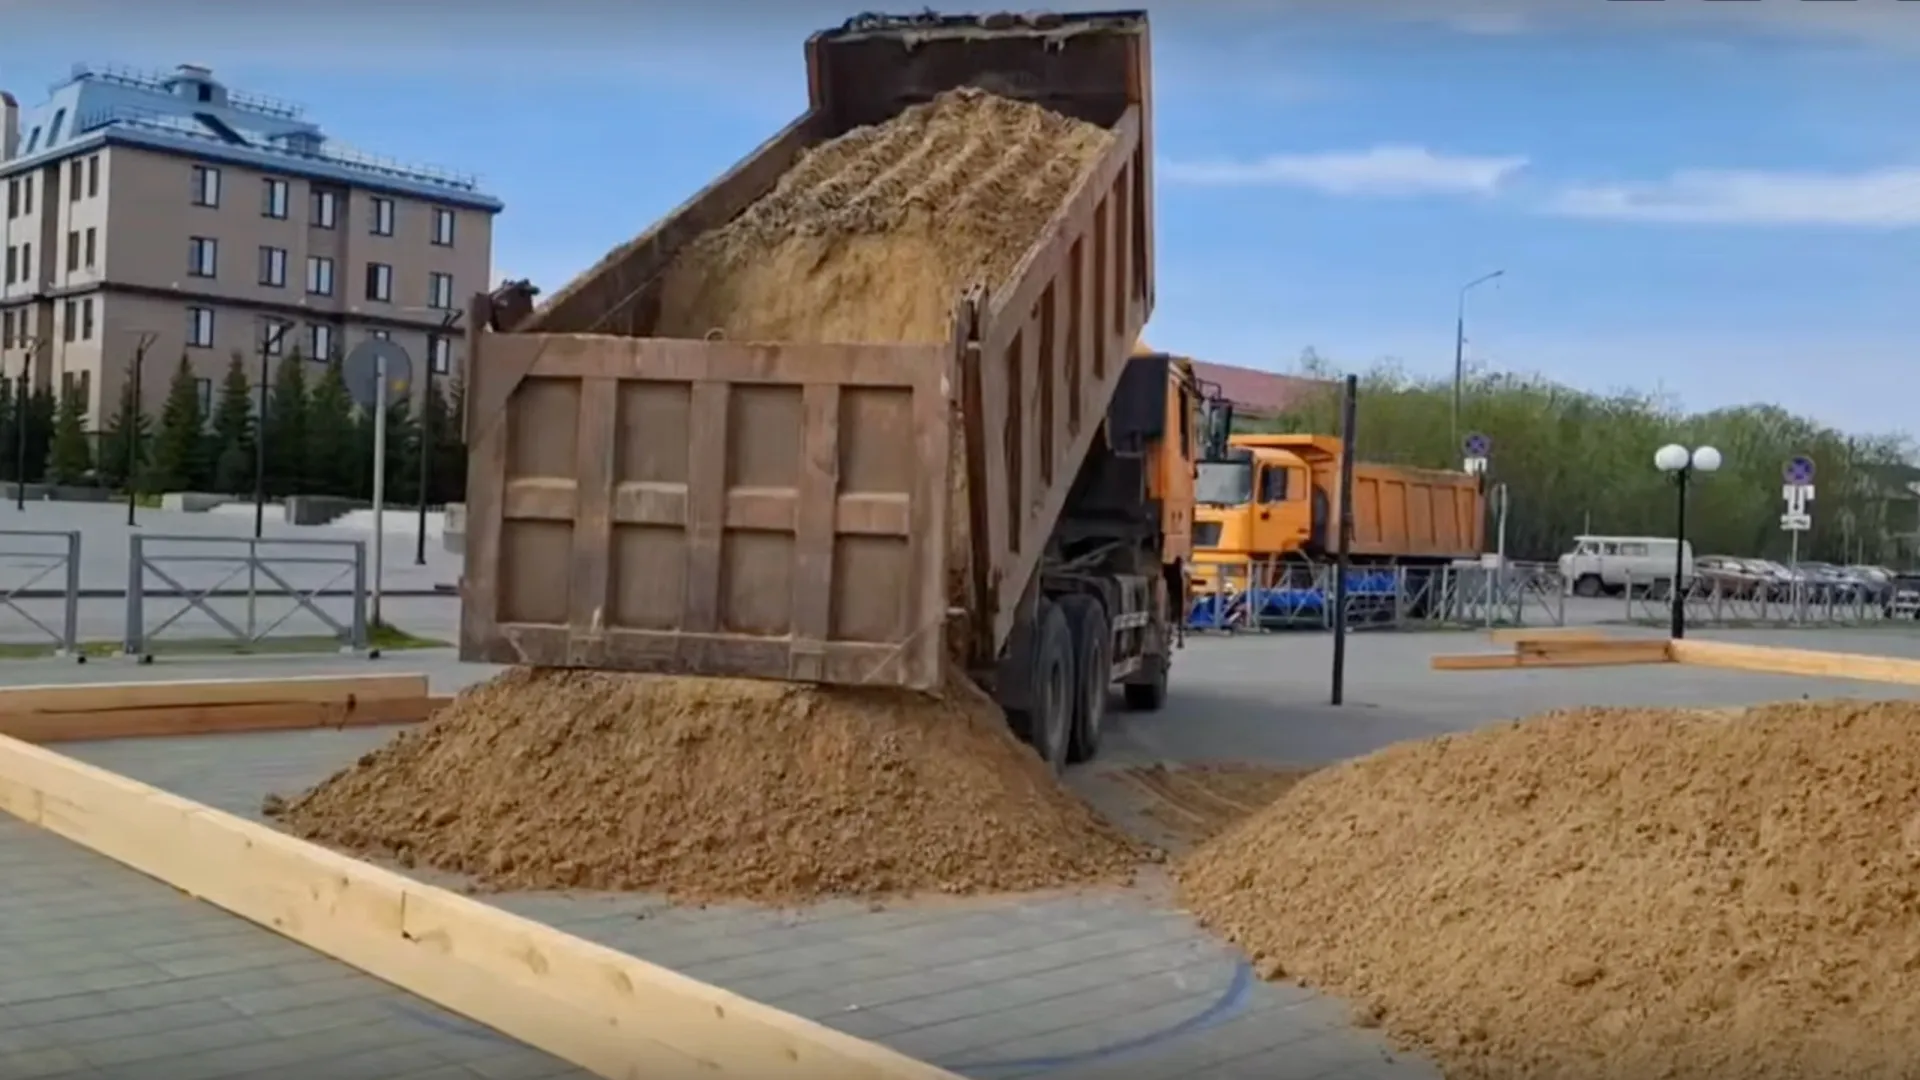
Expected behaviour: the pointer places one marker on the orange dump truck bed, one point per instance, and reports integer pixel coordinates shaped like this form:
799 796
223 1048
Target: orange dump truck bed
644 499
1398 511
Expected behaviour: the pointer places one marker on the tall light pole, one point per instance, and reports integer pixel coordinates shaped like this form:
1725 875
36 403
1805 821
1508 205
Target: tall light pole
131 421
1460 345
21 396
269 345
1681 463
450 320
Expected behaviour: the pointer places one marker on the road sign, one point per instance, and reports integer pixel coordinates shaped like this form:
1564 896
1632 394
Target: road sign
361 371
1476 465
1796 522
1798 471
1477 445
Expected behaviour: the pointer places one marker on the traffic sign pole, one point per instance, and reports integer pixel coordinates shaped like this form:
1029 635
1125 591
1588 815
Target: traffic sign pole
379 479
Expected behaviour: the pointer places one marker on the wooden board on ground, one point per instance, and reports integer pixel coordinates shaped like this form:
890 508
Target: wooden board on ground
1571 651
72 713
607 1012
1811 663
1508 635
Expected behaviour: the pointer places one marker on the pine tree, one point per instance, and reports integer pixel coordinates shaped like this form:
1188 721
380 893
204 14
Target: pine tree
179 449
332 453
440 425
286 429
232 436
403 449
40 414
72 452
125 421
9 431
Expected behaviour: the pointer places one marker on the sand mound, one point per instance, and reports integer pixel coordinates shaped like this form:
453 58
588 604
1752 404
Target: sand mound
872 237
715 789
1606 893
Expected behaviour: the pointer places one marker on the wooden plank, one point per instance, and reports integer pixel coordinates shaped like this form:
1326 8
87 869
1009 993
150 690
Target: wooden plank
108 697
611 1014
1499 661
217 719
1808 662
1510 634
1591 653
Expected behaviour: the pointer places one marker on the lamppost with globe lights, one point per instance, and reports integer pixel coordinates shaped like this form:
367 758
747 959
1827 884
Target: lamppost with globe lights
1681 463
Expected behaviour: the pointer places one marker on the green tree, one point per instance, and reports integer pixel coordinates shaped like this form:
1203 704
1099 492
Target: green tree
403 450
441 426
1578 462
331 451
232 447
128 428
179 451
286 428
9 430
72 454
39 421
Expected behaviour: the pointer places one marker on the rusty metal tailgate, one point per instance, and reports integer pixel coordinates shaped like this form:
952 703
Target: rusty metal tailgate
712 508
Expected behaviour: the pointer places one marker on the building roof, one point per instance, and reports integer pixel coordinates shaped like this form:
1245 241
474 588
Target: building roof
1258 393
188 111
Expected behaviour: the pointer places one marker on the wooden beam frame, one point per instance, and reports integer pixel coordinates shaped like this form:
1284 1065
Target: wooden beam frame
606 1012
83 711
1811 663
1561 650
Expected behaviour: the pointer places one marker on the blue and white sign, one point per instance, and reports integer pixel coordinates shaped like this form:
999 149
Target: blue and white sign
1476 448
1798 492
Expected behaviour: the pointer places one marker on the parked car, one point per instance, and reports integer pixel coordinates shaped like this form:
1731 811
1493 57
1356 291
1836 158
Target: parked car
1777 578
1833 584
1729 577
1879 582
1903 597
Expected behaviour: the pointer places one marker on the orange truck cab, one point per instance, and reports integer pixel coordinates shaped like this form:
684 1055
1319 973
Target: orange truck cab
1270 499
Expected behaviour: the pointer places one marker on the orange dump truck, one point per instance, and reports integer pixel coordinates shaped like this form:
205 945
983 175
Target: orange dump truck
1269 501
859 511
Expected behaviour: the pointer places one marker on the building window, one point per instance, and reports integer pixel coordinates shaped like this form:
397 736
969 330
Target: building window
13 265
86 319
26 262
203 257
93 235
273 198
320 340
273 336
26 192
273 267
70 320
440 355
442 227
382 217
319 275
380 282
13 199
440 291
203 389
200 327
326 210
59 122
6 329
93 176
73 252
76 173
206 185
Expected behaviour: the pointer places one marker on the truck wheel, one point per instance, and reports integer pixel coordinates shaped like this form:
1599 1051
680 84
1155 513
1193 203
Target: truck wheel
1150 695
1093 663
1588 586
1048 725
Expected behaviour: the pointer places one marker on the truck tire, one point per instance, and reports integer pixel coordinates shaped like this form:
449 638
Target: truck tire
1588 586
1093 670
1048 725
1151 693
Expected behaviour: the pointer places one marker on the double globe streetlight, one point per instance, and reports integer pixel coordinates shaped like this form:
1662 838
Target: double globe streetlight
1681 463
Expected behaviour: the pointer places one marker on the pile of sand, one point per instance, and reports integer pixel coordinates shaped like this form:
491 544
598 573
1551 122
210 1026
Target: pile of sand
709 789
1606 893
873 236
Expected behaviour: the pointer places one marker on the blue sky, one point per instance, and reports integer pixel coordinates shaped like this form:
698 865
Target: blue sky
1712 200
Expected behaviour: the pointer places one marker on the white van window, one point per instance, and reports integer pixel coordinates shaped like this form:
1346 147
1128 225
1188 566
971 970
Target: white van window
1609 548
1586 547
1639 551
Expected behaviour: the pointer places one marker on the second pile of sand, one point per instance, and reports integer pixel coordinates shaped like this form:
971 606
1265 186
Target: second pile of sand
1606 893
711 789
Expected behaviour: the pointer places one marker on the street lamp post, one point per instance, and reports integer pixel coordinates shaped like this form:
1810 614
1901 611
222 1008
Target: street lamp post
1460 345
1681 463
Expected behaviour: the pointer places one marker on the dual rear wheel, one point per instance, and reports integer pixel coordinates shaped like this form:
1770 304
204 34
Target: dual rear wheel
1073 666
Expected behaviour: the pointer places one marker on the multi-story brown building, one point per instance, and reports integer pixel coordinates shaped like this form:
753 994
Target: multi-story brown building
205 222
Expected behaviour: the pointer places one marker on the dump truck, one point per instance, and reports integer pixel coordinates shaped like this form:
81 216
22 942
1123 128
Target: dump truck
861 514
1268 509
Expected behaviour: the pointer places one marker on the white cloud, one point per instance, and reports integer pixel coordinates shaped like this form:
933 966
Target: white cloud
1380 170
1882 198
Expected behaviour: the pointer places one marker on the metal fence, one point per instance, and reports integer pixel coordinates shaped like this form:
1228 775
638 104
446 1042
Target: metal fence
236 583
41 566
1715 603
1281 594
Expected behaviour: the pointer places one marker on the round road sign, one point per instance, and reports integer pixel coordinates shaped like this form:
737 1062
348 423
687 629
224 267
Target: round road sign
1798 471
1477 445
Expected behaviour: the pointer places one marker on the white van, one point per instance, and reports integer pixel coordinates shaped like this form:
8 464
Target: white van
1605 564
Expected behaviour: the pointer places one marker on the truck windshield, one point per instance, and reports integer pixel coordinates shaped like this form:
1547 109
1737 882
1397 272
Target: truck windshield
1224 483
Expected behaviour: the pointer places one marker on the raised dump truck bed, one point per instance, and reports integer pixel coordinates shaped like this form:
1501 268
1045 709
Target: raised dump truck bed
782 509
